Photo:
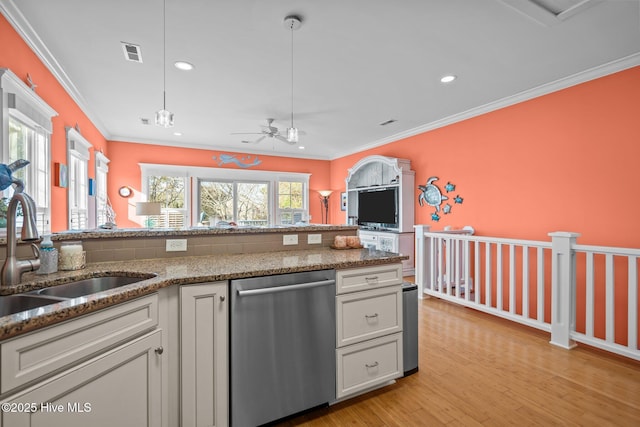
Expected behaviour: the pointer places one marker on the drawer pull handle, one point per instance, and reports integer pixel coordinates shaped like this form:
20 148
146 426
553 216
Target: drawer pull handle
373 365
159 350
371 316
371 279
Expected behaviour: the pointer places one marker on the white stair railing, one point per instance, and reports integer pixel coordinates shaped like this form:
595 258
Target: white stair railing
536 283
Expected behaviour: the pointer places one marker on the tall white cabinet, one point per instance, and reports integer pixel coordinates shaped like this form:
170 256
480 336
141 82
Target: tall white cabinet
203 354
381 172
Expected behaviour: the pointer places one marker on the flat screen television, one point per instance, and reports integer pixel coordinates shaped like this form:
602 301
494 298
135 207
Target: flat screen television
378 208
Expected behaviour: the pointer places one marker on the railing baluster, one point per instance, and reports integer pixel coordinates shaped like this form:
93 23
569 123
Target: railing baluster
632 327
433 275
478 286
456 266
610 299
487 275
540 285
525 281
442 282
512 279
589 290
499 276
467 270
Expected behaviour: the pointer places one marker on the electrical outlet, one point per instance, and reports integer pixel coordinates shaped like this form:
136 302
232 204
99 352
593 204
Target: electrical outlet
289 239
176 245
314 239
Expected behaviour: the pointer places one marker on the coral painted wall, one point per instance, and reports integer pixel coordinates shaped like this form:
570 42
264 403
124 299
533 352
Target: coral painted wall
564 161
124 170
19 58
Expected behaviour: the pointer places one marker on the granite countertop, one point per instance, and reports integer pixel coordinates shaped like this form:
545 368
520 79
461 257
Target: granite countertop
174 271
194 231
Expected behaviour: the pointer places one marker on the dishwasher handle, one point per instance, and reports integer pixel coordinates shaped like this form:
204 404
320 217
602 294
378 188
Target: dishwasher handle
274 289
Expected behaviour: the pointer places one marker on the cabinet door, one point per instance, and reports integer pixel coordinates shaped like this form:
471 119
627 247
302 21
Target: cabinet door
118 388
204 350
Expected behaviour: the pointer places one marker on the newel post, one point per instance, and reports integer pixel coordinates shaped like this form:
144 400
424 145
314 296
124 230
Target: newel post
421 258
563 288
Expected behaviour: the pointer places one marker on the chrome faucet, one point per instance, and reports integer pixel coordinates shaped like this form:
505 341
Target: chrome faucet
13 269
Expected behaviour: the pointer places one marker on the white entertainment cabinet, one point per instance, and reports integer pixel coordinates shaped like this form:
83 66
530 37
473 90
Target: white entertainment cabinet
380 172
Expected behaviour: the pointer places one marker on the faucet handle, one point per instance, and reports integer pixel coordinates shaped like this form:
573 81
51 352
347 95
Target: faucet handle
36 250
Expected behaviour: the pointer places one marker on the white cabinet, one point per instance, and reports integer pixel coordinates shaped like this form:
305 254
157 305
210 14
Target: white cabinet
401 243
120 387
368 328
39 354
204 354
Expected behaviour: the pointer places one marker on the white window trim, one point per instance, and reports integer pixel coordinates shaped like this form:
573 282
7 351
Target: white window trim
23 104
78 148
220 174
101 167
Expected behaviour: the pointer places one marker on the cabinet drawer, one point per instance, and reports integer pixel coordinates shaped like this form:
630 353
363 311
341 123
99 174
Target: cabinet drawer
368 314
368 364
46 351
360 279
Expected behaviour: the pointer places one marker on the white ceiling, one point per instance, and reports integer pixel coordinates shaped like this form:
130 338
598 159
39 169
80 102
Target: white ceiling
357 63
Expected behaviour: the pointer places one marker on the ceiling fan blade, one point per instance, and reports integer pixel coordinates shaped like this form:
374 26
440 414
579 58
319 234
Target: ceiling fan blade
246 133
285 140
244 141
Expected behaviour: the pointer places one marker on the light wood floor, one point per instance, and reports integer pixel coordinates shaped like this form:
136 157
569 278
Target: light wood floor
476 369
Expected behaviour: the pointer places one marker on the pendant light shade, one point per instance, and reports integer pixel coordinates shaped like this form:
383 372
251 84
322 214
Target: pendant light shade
292 133
164 117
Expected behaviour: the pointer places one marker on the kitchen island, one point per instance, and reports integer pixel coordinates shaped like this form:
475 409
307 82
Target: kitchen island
166 337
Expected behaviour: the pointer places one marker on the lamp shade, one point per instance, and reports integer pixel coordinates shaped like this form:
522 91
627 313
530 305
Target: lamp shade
148 208
325 193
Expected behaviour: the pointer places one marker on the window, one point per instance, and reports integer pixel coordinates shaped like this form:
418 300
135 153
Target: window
78 191
167 186
291 202
245 197
245 203
27 136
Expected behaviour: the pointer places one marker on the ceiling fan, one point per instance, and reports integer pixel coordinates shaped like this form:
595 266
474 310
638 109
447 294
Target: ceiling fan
267 131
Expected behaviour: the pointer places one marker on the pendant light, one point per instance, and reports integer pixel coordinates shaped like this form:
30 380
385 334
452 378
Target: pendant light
292 23
164 117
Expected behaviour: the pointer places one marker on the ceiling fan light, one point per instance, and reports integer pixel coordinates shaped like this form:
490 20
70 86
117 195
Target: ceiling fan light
292 134
164 118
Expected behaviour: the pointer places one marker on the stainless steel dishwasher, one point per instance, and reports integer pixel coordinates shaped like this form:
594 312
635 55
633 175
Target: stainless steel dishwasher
282 357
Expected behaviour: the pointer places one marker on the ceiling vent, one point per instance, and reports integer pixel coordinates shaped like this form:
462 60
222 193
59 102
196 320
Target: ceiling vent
144 120
132 52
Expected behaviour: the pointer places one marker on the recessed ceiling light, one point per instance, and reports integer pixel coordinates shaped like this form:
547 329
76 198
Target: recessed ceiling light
300 147
183 65
177 133
448 79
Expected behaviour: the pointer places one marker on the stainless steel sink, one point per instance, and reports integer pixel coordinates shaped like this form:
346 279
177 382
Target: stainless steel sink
11 304
90 286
